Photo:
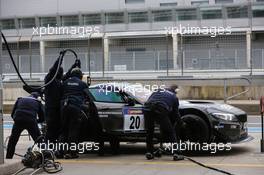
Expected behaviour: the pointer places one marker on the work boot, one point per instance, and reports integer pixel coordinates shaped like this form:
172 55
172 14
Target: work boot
149 156
71 156
177 157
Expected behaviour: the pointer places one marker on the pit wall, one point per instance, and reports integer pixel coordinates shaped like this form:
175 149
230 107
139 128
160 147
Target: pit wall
202 92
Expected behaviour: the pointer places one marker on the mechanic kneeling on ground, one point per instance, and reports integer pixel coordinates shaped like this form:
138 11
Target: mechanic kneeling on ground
73 99
27 113
162 107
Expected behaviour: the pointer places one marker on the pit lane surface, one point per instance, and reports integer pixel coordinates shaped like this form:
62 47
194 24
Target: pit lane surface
242 159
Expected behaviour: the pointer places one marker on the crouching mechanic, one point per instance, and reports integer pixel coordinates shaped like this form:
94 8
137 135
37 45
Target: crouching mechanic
73 99
27 113
162 107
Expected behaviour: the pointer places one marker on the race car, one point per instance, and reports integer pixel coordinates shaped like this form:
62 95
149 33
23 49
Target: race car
121 114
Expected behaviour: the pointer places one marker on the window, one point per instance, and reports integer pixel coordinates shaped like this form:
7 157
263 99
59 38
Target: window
223 1
211 13
168 4
70 20
201 2
237 12
45 21
137 17
92 19
186 14
114 18
8 24
162 15
258 11
26 23
101 96
134 1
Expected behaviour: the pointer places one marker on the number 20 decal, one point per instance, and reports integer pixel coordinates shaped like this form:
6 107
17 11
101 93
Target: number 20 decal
135 122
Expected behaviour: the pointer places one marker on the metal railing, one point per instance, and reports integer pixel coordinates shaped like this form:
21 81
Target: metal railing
225 85
226 98
136 61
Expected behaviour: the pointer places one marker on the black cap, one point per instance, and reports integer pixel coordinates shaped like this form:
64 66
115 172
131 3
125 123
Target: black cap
76 72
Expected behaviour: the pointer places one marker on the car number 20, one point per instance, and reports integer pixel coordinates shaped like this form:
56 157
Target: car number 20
133 122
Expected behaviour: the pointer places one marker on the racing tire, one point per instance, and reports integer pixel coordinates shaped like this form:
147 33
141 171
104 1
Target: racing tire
115 146
196 130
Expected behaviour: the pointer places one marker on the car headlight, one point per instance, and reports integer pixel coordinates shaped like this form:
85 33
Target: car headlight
225 116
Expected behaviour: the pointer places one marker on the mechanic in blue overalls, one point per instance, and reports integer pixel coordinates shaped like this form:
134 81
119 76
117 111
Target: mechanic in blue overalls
162 107
27 113
73 98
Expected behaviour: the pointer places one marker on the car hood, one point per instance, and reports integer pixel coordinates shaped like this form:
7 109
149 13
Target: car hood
211 106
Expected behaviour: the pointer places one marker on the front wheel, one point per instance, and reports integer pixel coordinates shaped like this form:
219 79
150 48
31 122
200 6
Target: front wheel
196 130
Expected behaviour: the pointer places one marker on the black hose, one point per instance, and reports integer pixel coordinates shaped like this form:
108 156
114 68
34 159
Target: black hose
208 167
62 54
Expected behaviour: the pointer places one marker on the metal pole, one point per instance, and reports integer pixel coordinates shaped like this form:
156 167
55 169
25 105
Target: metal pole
1 107
251 52
182 64
103 65
30 57
167 54
225 91
89 55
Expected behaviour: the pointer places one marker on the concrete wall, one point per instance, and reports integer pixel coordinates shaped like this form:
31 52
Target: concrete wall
194 89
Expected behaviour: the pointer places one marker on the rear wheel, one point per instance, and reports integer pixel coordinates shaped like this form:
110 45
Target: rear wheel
196 130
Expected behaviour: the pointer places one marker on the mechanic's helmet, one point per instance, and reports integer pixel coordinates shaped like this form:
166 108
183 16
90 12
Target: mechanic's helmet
60 73
35 95
173 88
76 72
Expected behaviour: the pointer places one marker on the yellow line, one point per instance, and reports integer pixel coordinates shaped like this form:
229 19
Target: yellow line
185 163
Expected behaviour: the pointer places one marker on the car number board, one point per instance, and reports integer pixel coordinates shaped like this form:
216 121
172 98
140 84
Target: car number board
133 119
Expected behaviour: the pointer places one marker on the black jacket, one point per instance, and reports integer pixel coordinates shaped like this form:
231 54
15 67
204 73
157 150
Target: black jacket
28 106
167 99
53 91
74 88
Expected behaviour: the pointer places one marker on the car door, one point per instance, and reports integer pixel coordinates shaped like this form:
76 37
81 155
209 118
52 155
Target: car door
115 114
109 105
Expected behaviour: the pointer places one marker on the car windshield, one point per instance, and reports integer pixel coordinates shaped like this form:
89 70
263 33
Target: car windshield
140 92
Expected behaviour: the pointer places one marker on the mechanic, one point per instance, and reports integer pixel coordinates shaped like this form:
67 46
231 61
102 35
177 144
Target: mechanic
27 113
162 107
52 102
53 94
73 99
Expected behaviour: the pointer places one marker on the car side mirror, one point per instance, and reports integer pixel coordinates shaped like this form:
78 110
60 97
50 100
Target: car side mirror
131 102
